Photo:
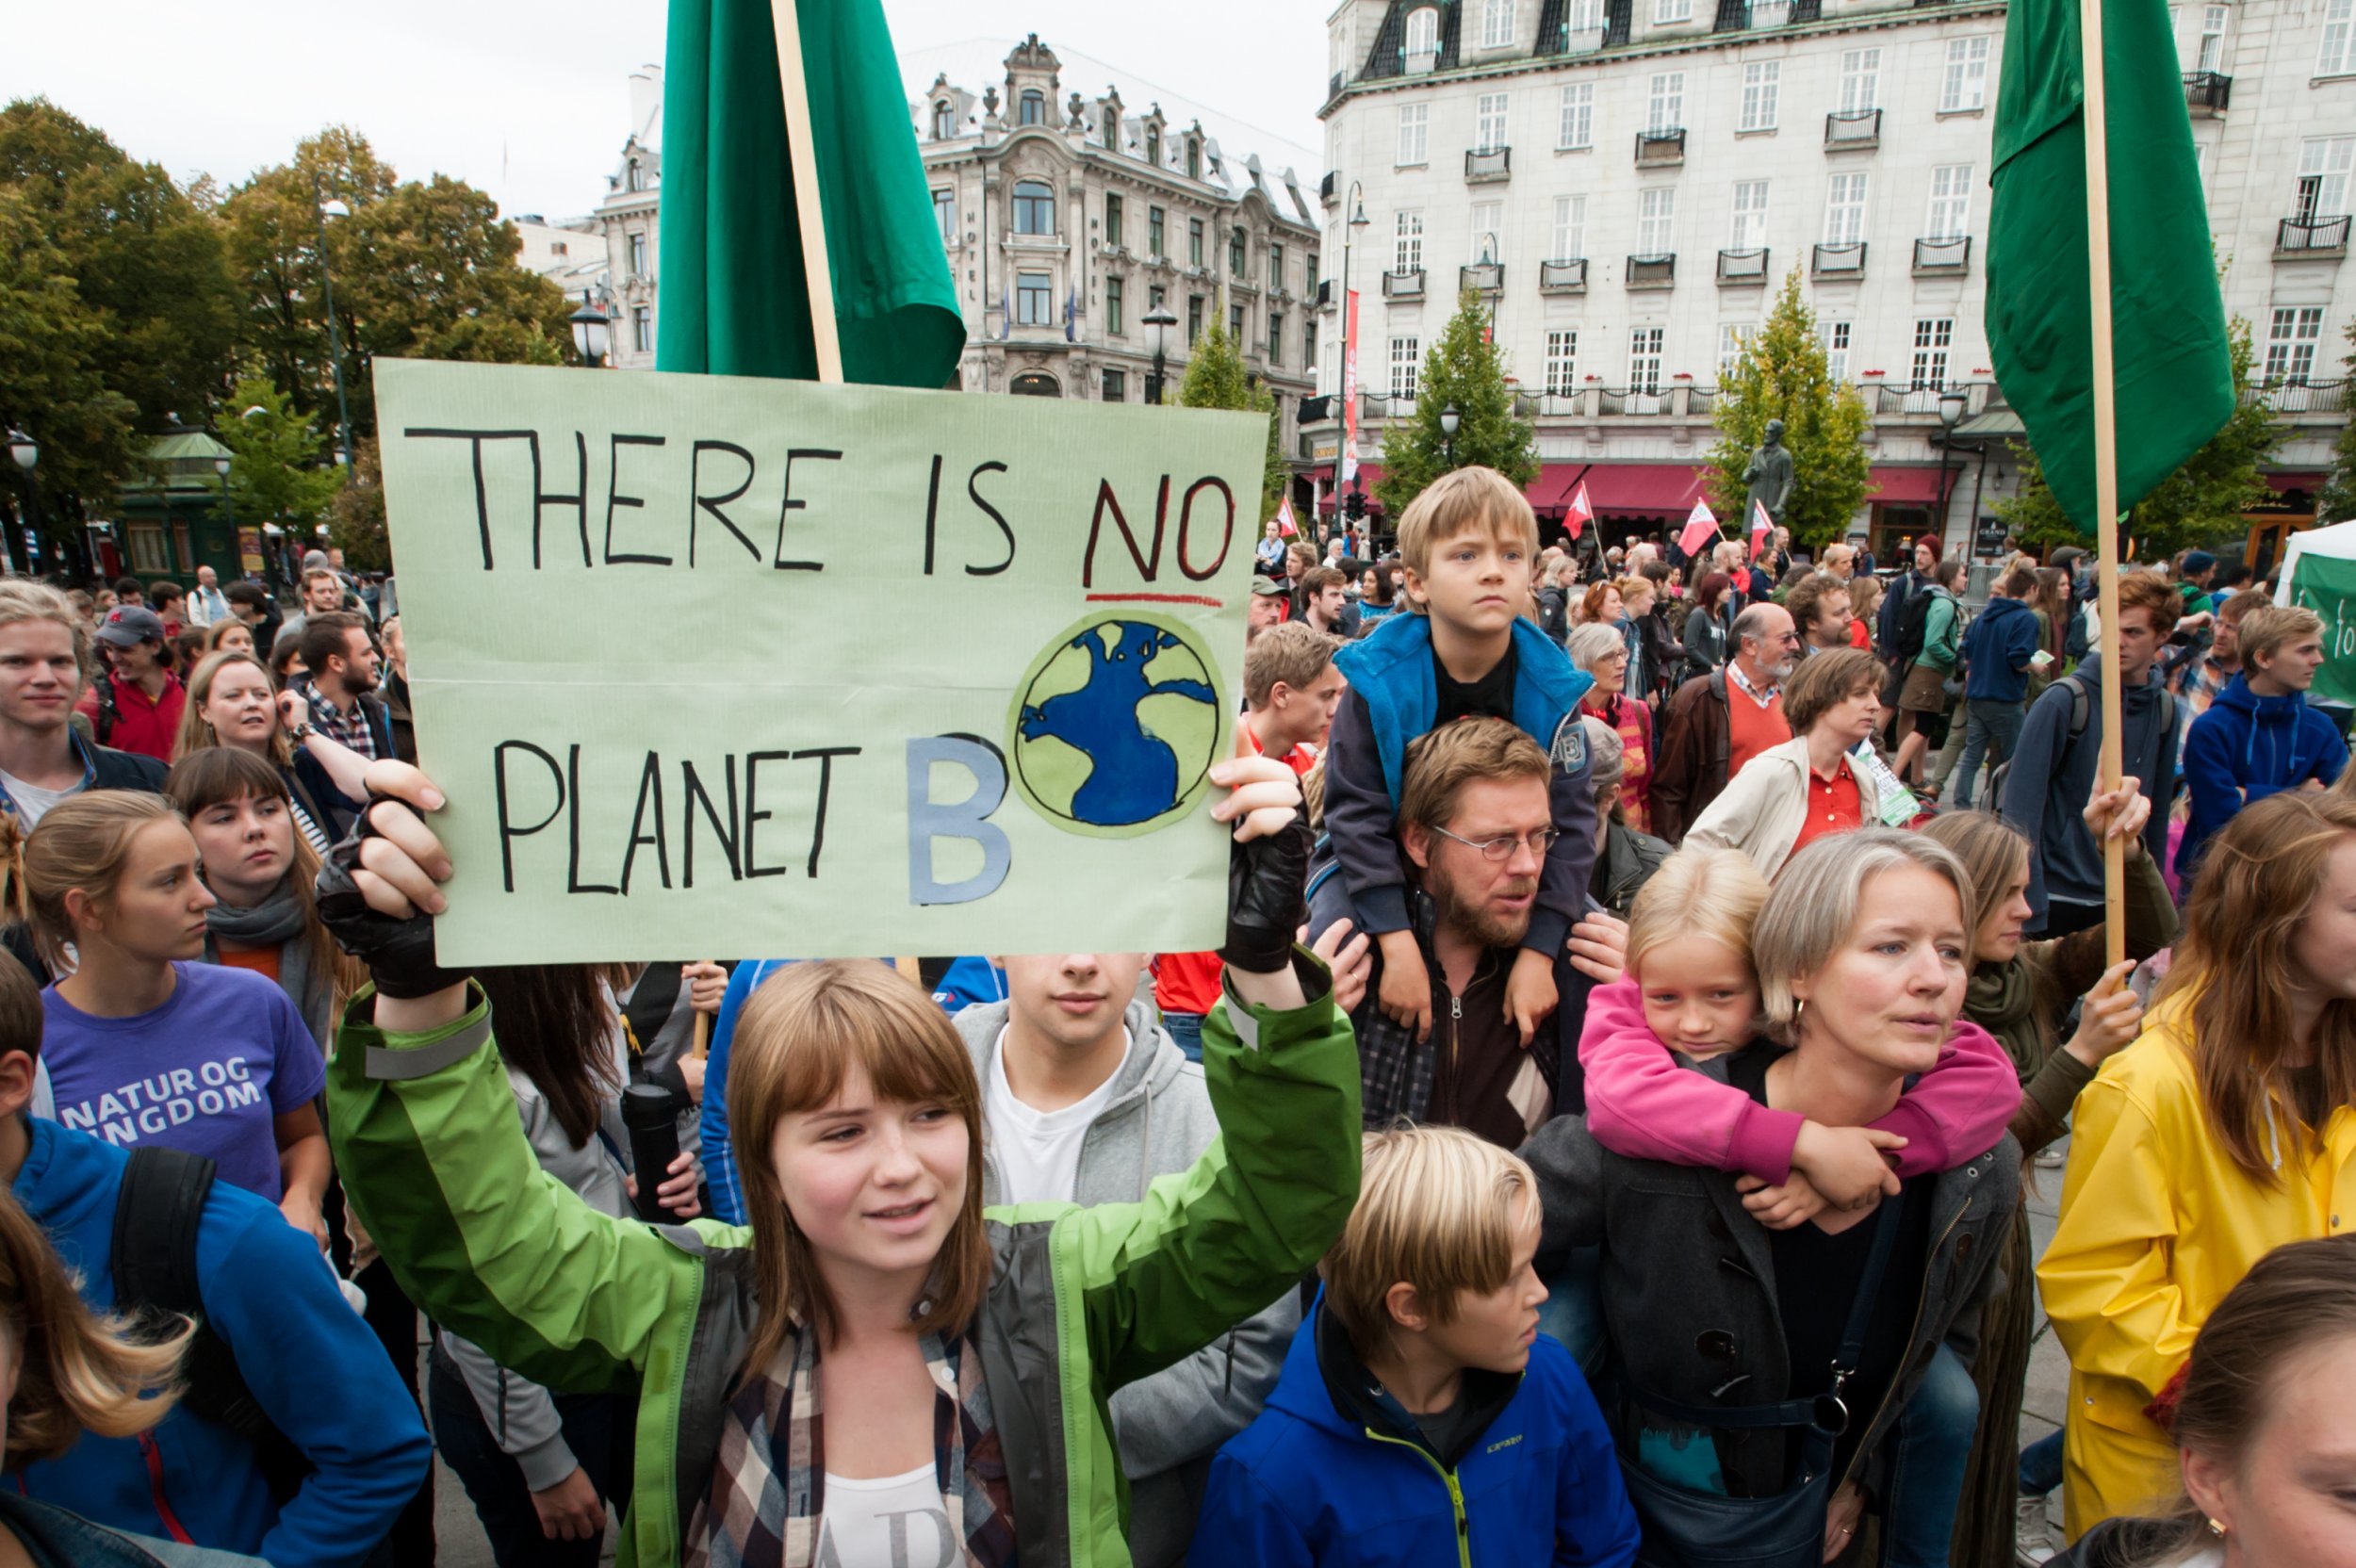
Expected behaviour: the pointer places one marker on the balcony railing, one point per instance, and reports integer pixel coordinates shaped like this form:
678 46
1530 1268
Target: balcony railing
2311 237
1737 16
1942 258
1481 277
1419 62
1654 271
2298 396
1406 283
1563 277
1739 267
1661 149
2206 93
1486 165
1319 409
1325 187
1807 11
1838 261
1664 399
1848 130
1923 400
1632 399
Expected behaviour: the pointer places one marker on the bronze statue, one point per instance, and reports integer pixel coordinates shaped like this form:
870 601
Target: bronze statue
1769 476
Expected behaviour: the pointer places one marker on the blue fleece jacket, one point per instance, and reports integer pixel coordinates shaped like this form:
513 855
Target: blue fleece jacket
310 1361
1998 648
1306 1485
2246 747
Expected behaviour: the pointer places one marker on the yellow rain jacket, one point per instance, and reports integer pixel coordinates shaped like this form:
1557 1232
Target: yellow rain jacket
2157 1224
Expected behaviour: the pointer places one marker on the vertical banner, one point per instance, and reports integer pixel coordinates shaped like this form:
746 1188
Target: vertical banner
1348 469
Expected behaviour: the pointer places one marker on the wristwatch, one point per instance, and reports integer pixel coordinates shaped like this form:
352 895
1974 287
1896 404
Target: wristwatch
301 733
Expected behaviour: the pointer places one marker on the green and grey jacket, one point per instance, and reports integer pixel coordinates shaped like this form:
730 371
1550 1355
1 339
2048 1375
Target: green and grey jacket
1080 1301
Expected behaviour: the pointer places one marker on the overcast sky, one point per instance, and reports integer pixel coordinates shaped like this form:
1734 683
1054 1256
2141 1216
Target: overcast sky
529 101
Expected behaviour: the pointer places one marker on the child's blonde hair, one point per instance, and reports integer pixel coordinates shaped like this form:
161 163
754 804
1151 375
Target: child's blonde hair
1437 1209
1463 501
1715 893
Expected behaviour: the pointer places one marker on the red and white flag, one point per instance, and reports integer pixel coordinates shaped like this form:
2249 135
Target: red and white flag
1580 514
1285 524
1701 526
1762 528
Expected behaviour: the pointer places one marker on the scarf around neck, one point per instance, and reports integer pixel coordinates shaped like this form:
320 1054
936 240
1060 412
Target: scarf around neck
277 921
2001 999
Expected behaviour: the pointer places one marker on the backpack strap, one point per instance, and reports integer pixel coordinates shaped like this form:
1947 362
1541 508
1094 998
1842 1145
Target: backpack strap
156 1211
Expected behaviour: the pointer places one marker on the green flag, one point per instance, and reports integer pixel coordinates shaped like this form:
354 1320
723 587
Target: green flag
734 291
2170 365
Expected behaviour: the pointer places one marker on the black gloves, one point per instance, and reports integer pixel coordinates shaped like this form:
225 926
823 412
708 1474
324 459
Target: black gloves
399 952
1267 881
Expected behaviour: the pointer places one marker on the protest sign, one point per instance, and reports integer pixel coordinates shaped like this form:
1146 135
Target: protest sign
766 668
2319 574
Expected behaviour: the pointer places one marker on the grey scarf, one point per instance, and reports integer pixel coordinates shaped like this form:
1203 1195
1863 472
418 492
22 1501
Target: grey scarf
278 919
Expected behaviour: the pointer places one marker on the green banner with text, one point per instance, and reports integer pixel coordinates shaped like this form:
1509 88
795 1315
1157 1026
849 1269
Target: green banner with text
2327 585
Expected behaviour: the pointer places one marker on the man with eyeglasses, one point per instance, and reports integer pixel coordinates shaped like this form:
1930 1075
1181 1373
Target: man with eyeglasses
1476 821
1717 721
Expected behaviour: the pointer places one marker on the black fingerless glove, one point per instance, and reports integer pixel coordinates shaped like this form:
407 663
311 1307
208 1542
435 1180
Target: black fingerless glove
1267 881
397 953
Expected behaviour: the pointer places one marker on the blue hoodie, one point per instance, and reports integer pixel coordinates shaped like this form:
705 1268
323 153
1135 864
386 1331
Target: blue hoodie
311 1361
2246 747
1998 648
1537 1483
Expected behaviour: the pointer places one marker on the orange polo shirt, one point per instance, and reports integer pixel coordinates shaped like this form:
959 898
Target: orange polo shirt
1750 728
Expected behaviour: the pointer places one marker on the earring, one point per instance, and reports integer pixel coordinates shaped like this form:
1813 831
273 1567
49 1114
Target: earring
2216 1530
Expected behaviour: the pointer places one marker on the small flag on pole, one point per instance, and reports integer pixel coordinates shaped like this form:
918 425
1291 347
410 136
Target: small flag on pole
1701 526
1285 524
1579 513
1762 528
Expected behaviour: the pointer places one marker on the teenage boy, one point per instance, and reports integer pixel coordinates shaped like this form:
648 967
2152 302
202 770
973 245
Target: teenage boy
1464 650
1420 1417
2259 737
1325 602
1996 653
135 706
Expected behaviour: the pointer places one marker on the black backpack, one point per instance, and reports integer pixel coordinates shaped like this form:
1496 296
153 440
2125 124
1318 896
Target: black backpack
1914 622
154 1263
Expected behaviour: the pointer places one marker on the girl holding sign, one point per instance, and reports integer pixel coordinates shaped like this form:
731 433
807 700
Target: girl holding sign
978 1350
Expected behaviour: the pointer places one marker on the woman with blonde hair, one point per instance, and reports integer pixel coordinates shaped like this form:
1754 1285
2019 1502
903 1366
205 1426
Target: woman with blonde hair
2227 1130
233 702
229 636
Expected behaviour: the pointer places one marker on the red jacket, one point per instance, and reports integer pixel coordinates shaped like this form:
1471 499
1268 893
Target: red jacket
148 727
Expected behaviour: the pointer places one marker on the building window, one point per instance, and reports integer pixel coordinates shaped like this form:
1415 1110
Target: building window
1561 364
1749 229
1275 265
1488 231
1835 337
944 120
637 180
1275 337
1238 253
1932 339
1967 76
2291 345
1489 123
2337 58
1415 125
1423 31
1194 159
1309 263
1577 127
1673 11
1033 109
1116 386
2323 165
1034 300
1644 361
945 215
1309 342
1951 202
1497 23
1111 133
1845 210
1732 340
1034 208
1761 85
1656 220
2212 54
1194 242
642 329
559 248
1407 241
1406 362
1570 228
1665 106
1153 232
1194 320
1112 219
1235 326
638 255
1154 145
1116 304
1860 80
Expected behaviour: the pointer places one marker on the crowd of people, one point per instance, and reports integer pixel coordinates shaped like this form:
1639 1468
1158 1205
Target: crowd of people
1602 1136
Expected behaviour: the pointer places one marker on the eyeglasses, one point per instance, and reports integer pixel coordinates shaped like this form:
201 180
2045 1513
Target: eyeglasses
1502 848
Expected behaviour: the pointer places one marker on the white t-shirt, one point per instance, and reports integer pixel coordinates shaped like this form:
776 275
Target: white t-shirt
1039 1152
33 801
897 1521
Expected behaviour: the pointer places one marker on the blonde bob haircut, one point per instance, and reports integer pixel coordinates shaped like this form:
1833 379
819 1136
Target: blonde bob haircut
1437 1209
1467 501
804 1033
1698 891
1812 906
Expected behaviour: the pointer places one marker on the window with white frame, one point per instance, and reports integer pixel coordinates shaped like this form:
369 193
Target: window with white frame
1489 123
1733 338
2324 165
1643 360
1407 241
1405 365
1656 220
1497 23
1488 231
1844 209
1034 300
1583 16
1748 230
2291 344
1576 126
1835 337
1561 364
1951 202
1570 228
1423 31
2337 58
1860 80
2212 53
1933 338
1664 108
1673 11
1762 83
1415 131
945 214
1967 76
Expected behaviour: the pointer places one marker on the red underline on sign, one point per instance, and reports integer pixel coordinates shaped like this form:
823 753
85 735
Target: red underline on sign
1156 599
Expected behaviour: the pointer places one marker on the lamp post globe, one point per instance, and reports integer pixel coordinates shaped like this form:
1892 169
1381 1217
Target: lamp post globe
221 466
23 449
1158 321
593 333
1952 404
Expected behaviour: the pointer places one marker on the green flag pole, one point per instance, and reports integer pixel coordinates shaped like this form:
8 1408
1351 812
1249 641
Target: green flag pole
2105 458
803 153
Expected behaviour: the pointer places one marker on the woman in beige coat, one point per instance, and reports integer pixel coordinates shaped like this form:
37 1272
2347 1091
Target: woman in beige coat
1810 786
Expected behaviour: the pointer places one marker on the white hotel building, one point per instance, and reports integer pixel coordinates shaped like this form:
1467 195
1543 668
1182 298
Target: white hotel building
1628 181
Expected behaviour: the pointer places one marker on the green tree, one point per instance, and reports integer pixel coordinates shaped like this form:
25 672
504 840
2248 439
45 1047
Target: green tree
1216 378
355 519
2201 503
50 386
2337 502
274 472
1466 371
1782 374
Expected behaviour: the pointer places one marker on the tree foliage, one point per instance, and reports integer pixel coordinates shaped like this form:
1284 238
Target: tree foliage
1216 378
2203 502
274 472
1782 374
2337 501
355 520
1463 371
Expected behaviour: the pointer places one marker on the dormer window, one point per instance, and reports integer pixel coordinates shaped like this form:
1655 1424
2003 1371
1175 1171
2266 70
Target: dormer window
944 120
1423 31
1194 158
636 177
1153 146
1032 109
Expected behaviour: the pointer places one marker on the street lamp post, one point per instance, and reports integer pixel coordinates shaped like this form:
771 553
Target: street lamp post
26 451
1449 423
322 211
1951 402
592 331
1356 203
1158 321
221 466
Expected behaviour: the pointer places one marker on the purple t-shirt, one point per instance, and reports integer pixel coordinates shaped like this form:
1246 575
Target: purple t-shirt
207 1072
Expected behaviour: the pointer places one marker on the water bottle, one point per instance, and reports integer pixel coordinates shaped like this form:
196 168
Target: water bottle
651 1114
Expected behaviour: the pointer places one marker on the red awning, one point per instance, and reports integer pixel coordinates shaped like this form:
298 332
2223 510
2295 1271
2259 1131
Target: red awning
1651 489
1894 483
1551 490
2303 480
1369 475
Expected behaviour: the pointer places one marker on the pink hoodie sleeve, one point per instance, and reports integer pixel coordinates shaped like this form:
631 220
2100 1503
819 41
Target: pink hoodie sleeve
1956 1112
1642 1105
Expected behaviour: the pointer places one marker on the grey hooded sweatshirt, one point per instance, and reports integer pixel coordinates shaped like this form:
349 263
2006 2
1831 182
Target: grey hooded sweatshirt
1168 1426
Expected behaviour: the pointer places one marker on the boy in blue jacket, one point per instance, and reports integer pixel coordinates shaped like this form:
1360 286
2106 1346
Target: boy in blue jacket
309 1361
1421 1419
1997 651
2259 736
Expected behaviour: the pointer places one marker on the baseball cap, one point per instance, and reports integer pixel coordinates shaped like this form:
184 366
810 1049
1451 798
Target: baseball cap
127 624
2197 562
1267 587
